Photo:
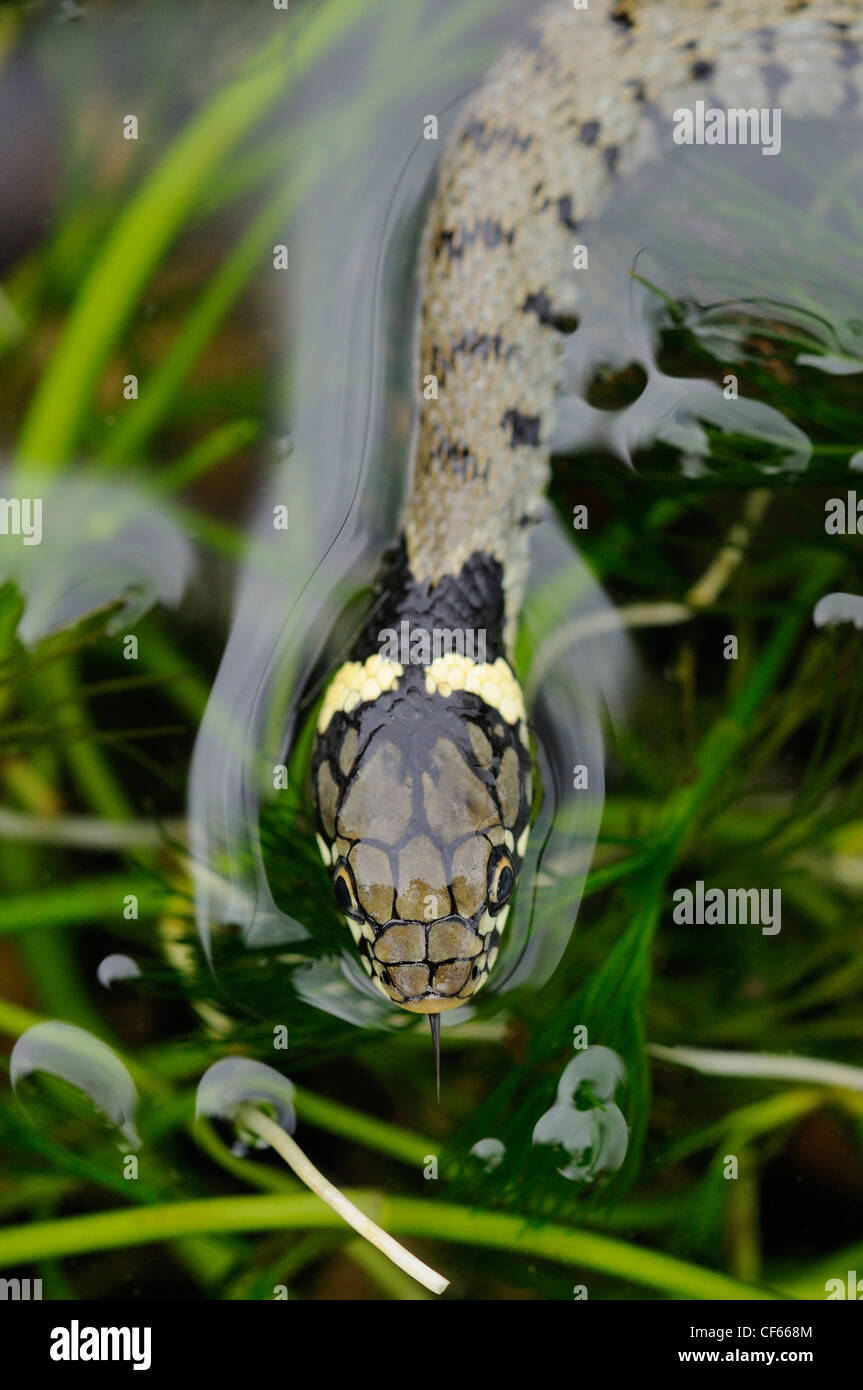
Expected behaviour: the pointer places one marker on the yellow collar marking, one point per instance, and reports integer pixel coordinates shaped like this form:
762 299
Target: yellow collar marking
492 681
357 682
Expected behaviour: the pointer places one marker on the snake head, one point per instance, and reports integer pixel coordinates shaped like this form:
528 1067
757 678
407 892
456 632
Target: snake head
423 792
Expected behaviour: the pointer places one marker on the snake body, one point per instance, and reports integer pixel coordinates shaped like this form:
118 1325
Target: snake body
421 767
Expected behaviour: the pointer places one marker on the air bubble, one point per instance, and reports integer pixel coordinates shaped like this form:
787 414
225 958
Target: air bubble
490 1152
117 967
70 1054
235 1081
585 1130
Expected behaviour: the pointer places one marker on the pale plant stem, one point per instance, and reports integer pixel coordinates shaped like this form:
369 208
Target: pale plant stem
87 832
251 1118
762 1065
717 574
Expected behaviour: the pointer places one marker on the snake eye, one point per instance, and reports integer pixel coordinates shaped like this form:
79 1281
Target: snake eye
345 892
501 881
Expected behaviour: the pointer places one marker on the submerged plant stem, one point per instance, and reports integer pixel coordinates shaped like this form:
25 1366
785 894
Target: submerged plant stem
763 1065
492 1230
259 1123
717 574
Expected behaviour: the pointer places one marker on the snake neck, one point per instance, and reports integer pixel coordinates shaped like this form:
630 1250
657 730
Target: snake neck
416 620
587 97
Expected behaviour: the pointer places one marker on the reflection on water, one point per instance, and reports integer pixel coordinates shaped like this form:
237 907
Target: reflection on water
724 249
715 249
838 608
98 543
117 967
585 1130
350 417
490 1152
72 1055
235 1081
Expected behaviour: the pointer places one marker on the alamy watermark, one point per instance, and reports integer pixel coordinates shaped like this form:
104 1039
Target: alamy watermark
77 1343
419 646
20 1290
738 125
22 516
849 1287
720 906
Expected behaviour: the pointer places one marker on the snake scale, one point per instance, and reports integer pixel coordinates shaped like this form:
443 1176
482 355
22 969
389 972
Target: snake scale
421 767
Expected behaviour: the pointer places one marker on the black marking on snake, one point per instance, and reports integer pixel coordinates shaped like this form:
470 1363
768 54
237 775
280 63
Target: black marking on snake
456 240
525 428
444 241
701 70
459 461
482 345
622 19
483 136
589 132
540 304
472 599
564 213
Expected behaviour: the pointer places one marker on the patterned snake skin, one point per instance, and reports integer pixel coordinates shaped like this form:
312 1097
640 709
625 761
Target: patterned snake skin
421 766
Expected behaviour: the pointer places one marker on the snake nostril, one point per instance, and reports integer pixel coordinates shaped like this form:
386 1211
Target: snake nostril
385 976
475 972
